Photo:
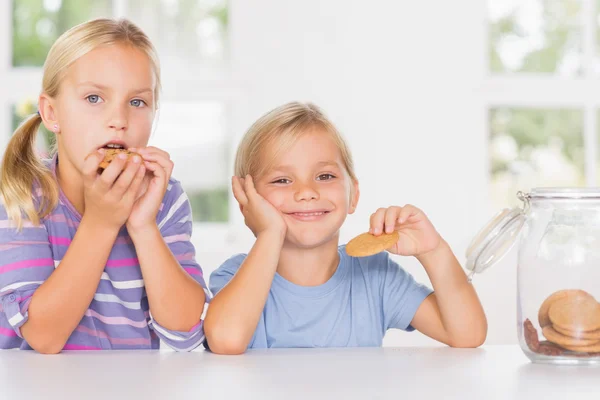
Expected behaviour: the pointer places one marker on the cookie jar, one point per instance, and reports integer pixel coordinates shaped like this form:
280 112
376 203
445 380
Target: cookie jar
558 271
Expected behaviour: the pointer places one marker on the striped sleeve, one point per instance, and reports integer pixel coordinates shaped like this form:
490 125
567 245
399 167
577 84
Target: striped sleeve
26 261
175 224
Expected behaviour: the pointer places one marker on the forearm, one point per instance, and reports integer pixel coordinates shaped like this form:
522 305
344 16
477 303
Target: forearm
176 300
60 303
460 310
235 311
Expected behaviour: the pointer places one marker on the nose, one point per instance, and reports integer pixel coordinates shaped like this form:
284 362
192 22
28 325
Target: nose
305 192
118 118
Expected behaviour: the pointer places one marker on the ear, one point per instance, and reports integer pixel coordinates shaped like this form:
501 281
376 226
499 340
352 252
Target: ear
241 208
48 113
354 196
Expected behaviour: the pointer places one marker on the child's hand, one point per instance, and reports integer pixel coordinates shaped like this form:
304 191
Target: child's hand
417 234
109 197
260 215
153 188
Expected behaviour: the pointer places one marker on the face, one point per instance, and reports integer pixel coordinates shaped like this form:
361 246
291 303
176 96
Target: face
310 186
106 98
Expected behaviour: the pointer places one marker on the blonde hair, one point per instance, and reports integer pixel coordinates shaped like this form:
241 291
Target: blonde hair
21 167
282 127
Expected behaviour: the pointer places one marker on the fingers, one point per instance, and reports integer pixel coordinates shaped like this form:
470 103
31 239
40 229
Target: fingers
407 212
387 219
91 165
110 174
160 174
158 156
126 178
249 187
377 221
391 217
238 191
134 188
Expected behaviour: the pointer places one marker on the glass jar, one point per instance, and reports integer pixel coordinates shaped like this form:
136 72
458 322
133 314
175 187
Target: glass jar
558 273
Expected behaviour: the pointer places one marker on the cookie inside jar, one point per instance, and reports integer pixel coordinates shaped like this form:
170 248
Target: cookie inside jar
570 322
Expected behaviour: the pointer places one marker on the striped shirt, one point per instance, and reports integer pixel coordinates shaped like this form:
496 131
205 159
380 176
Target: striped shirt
119 316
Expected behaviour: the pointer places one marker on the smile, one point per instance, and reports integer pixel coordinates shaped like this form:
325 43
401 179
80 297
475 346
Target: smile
308 216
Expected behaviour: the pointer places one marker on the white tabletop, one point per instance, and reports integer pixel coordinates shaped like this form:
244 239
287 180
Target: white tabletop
494 372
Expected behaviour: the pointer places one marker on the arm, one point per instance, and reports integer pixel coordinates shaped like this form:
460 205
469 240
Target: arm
173 280
453 314
176 300
235 311
56 307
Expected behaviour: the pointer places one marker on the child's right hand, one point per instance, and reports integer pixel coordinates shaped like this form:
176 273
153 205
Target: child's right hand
109 197
260 215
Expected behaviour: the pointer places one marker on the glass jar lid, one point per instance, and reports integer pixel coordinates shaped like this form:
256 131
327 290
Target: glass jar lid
495 239
500 234
563 193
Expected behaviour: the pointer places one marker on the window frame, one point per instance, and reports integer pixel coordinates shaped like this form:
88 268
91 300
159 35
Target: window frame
531 90
209 83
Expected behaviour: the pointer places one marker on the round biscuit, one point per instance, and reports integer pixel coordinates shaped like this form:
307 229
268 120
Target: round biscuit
543 317
576 314
562 340
592 335
110 154
367 244
592 348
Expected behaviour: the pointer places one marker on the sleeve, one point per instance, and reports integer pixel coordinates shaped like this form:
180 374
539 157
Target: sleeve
175 224
222 275
401 295
26 261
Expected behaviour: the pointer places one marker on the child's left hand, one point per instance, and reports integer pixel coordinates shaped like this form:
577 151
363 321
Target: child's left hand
417 234
159 166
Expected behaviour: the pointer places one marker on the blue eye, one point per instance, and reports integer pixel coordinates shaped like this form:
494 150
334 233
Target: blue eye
137 102
93 98
325 177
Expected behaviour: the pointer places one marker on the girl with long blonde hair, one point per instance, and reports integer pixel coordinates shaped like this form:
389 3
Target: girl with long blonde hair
96 259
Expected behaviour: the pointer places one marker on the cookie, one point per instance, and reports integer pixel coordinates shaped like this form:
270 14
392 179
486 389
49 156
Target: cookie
562 340
543 317
593 335
576 313
550 349
531 336
367 244
592 348
110 155
545 347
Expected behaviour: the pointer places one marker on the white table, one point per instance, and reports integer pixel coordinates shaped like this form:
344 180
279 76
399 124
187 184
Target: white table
493 372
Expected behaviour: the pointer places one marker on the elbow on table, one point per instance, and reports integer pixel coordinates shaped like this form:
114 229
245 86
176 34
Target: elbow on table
230 344
43 346
226 343
475 339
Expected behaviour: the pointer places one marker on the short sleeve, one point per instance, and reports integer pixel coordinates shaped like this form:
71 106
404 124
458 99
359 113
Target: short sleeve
222 275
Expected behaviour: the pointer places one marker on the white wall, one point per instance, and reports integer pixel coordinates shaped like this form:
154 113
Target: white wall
402 81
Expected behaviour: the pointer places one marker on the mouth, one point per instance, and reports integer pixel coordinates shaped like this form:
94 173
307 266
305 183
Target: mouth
114 145
309 215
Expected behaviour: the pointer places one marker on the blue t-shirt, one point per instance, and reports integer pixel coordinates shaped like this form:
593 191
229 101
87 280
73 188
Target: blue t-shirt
363 299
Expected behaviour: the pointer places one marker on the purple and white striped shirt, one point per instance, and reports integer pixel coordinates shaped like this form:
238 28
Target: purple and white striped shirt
118 316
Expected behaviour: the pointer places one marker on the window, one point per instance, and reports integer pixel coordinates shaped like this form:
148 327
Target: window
192 42
540 95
